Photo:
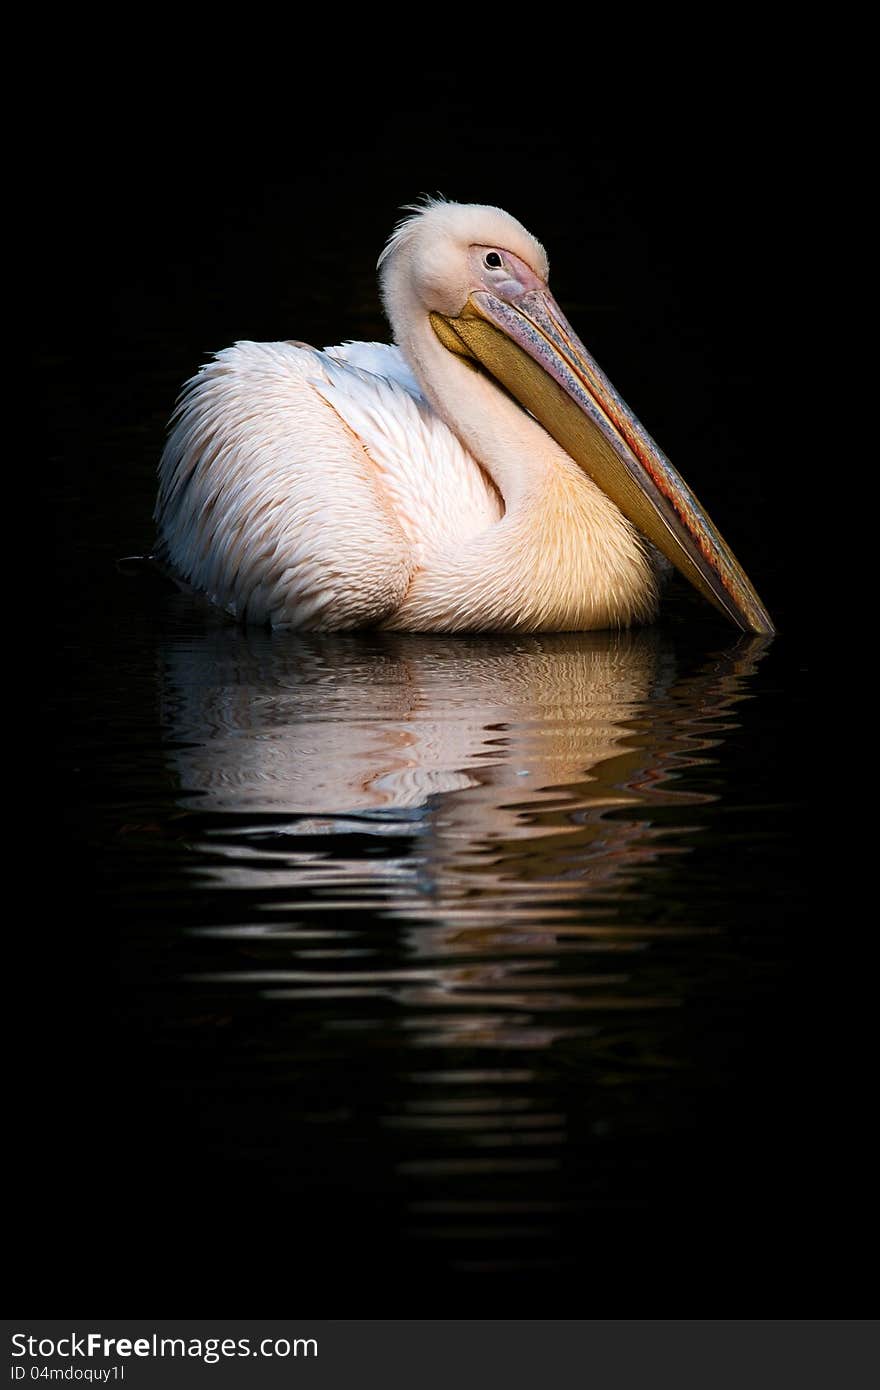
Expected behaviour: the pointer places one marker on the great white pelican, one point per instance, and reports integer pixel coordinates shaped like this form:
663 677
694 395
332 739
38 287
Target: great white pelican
481 473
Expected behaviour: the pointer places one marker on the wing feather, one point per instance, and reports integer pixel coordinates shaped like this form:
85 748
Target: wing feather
439 492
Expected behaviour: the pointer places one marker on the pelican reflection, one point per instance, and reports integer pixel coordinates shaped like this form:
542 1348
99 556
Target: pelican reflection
492 798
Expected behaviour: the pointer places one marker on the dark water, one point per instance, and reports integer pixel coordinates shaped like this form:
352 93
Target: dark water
435 955
386 974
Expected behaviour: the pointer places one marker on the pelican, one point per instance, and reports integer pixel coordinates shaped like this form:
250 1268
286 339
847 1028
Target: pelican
481 473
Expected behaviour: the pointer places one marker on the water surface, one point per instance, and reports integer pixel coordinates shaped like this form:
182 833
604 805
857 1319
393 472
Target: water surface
441 953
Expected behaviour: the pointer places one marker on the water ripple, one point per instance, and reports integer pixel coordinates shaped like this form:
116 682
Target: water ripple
421 848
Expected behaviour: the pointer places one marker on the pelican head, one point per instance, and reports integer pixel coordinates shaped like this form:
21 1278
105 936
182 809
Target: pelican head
481 281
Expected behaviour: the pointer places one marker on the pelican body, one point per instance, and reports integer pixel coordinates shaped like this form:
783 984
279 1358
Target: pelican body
480 474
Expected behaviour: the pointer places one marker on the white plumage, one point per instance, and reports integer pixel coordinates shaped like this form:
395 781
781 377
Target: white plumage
439 492
262 534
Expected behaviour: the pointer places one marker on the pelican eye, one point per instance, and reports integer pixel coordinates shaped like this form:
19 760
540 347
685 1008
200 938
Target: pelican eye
493 259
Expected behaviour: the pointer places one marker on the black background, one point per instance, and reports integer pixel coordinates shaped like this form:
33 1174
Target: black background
178 214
